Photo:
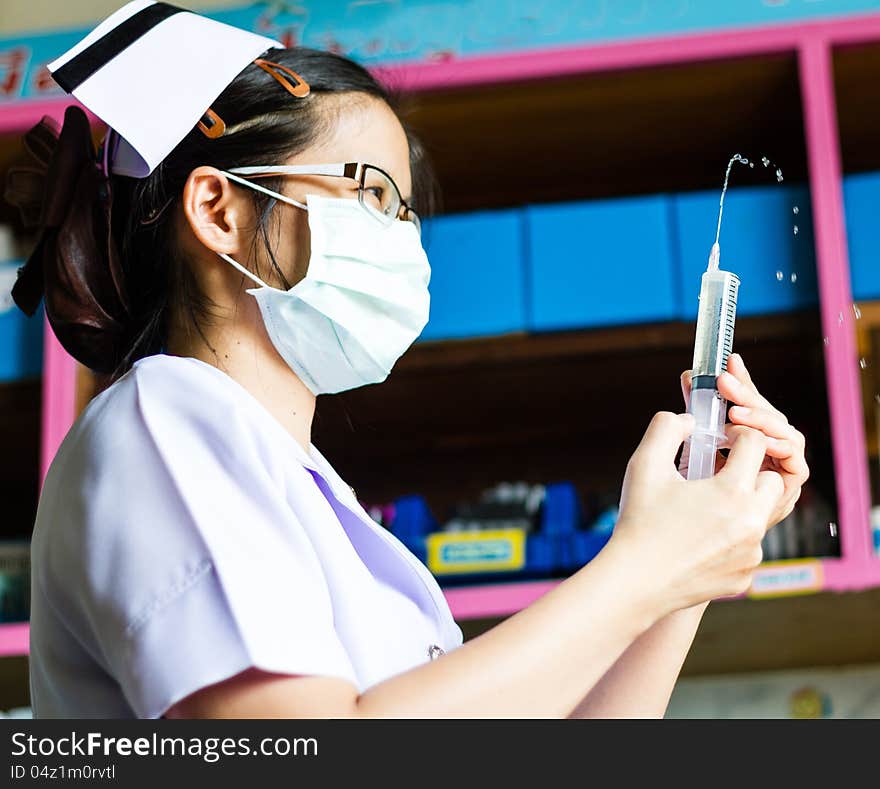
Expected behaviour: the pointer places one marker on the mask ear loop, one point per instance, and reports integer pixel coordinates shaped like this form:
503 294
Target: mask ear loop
244 271
269 192
282 198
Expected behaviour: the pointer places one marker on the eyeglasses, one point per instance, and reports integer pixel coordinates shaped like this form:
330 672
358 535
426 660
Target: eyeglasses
377 192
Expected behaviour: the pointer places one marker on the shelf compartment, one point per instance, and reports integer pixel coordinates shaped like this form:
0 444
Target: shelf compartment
455 417
609 134
857 90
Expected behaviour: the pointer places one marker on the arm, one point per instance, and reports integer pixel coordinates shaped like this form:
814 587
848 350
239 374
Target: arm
543 660
531 664
640 683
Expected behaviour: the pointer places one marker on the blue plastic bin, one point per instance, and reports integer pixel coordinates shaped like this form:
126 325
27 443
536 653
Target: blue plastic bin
477 274
861 195
600 263
776 267
21 337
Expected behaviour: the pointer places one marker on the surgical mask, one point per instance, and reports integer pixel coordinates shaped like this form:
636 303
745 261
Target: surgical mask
362 303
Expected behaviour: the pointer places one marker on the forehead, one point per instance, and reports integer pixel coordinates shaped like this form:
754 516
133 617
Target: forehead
360 128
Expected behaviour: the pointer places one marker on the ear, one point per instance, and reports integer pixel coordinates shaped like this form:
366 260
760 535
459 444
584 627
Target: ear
216 210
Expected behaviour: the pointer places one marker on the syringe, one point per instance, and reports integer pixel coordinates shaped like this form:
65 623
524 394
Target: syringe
712 346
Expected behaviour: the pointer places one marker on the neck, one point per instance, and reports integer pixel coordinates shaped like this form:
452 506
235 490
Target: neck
242 349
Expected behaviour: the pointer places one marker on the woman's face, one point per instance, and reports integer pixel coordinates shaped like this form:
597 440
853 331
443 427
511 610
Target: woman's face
363 129
219 212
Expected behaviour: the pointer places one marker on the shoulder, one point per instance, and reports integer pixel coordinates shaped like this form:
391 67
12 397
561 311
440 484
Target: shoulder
161 397
151 444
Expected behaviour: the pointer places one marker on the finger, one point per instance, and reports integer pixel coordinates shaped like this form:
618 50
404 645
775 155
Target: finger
686 388
734 390
664 436
737 367
789 456
770 423
746 456
770 489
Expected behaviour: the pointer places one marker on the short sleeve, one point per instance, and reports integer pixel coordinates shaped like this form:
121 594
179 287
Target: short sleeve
197 565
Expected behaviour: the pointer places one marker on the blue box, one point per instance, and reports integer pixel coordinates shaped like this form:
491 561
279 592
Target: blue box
585 257
758 244
861 197
477 274
21 337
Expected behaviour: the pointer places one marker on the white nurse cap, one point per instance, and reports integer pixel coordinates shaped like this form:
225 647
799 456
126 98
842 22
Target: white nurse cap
151 70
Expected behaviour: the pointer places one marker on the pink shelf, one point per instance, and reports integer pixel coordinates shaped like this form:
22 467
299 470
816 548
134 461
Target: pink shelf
17 117
812 43
831 575
491 600
14 639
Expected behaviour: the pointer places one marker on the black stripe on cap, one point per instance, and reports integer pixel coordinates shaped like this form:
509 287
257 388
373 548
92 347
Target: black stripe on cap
79 68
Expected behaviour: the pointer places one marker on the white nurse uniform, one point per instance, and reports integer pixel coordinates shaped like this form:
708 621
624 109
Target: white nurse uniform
183 535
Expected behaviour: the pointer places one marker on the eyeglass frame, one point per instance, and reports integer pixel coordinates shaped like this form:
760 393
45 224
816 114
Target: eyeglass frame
355 170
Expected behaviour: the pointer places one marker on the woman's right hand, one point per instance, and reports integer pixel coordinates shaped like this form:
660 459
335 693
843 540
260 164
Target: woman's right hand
694 540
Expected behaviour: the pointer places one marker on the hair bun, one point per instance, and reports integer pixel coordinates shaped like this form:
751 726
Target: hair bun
75 265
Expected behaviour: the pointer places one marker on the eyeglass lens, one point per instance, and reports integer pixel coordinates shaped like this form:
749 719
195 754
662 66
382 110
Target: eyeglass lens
380 194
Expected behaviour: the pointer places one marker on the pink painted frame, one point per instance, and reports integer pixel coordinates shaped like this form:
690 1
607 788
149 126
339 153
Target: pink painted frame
812 43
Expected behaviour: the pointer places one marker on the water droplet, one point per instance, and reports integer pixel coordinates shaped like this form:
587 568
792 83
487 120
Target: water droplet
856 311
752 165
793 277
779 178
825 340
779 276
863 363
832 529
795 210
840 319
765 161
795 229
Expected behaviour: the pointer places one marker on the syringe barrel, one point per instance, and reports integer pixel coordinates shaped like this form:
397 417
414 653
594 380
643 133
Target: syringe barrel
712 346
715 323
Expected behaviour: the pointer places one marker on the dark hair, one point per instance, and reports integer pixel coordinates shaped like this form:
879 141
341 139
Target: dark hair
126 320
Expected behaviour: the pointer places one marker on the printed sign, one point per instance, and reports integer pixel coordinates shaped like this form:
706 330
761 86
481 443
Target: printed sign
796 576
476 551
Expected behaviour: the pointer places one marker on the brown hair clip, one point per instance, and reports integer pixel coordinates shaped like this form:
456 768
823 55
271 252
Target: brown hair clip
300 90
213 126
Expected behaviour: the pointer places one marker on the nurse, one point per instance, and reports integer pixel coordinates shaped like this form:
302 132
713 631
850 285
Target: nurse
246 240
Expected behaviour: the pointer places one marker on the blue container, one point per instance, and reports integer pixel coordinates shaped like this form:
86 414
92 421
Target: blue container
21 337
477 274
861 195
585 258
776 267
580 547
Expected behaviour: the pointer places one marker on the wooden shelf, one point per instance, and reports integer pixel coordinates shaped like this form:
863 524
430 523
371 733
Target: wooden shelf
857 87
609 134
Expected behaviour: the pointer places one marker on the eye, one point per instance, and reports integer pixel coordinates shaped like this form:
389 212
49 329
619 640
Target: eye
373 195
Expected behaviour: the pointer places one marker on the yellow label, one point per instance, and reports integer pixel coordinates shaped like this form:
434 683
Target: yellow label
787 577
476 551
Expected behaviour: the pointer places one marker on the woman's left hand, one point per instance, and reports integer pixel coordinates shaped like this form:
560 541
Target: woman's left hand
785 449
